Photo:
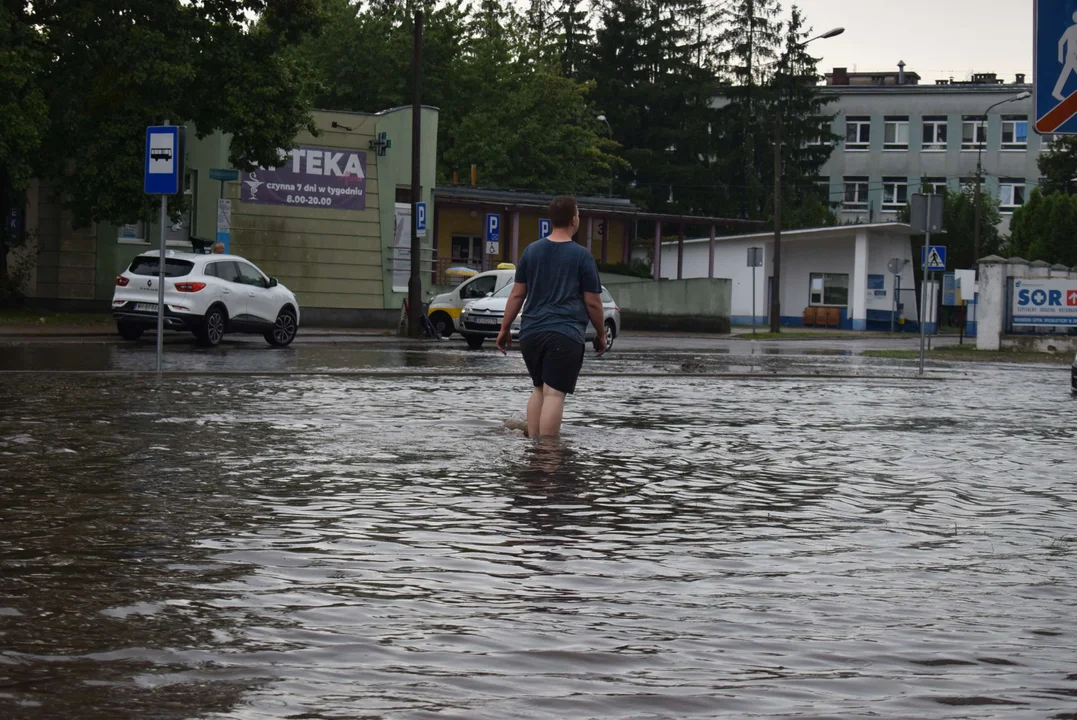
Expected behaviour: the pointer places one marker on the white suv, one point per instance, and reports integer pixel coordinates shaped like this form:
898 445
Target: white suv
208 295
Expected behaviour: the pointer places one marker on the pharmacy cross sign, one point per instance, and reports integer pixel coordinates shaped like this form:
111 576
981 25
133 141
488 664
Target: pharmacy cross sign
381 144
1055 65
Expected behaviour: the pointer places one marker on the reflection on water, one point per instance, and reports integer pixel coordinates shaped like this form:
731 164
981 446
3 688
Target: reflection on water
224 547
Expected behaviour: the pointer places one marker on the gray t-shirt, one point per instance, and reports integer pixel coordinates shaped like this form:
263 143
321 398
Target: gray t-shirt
557 274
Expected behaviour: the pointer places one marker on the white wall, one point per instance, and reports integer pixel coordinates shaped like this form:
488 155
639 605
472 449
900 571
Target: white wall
800 258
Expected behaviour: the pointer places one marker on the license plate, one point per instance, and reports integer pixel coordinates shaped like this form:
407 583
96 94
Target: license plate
486 321
145 307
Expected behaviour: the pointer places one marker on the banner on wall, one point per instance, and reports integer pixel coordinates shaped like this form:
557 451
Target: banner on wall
1044 301
310 176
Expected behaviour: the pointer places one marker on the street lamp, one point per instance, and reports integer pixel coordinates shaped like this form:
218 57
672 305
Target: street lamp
979 168
775 288
602 118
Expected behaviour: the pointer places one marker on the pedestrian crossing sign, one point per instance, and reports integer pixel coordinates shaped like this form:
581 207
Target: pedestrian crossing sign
933 258
1055 65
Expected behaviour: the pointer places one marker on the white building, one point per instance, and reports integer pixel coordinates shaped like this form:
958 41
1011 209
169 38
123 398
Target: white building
844 268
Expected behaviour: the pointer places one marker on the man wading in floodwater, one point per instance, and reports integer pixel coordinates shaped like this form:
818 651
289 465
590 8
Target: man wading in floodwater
559 281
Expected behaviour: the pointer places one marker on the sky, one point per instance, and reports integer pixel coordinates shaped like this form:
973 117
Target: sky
936 38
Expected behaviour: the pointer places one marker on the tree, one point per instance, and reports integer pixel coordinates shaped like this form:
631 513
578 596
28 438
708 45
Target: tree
749 41
106 71
806 138
1059 166
1045 228
959 222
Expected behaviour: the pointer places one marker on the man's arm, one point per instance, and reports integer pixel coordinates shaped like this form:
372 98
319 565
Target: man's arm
512 309
595 313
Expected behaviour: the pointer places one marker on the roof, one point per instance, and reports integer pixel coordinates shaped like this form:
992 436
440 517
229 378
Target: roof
597 205
183 255
813 233
956 89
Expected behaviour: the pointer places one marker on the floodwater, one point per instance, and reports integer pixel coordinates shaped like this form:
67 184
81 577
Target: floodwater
384 547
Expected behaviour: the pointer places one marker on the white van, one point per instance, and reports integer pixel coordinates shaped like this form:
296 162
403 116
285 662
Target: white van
445 309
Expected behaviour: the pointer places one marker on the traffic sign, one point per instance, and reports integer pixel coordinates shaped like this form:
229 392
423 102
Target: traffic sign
755 257
545 228
164 160
933 257
225 174
493 233
420 219
1054 38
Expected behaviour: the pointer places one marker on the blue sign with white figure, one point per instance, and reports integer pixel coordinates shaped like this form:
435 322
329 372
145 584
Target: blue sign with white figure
164 160
933 258
1055 65
493 234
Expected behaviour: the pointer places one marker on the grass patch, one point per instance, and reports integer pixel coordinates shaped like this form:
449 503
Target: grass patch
27 318
802 335
969 353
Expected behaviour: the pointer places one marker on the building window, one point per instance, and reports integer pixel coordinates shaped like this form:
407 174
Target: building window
1011 194
829 289
1048 142
132 233
856 193
934 134
857 133
933 185
896 133
466 250
895 193
1014 132
973 133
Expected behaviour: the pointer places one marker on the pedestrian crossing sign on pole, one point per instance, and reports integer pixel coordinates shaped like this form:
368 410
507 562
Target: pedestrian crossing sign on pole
1055 65
933 258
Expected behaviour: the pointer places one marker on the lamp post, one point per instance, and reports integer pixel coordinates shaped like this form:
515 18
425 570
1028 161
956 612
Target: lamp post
602 118
775 288
979 169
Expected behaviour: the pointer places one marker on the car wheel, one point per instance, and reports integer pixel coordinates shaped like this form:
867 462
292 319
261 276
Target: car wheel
284 330
611 334
212 331
475 342
442 324
129 332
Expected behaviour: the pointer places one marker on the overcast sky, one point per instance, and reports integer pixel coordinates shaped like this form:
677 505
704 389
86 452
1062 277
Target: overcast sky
935 38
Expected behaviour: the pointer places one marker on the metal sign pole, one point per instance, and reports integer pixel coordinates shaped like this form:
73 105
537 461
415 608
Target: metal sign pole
894 308
161 286
753 301
923 284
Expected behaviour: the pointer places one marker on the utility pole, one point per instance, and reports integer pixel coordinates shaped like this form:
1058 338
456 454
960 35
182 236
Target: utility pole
776 285
415 282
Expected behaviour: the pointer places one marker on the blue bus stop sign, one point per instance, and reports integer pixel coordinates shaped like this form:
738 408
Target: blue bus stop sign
1055 65
164 160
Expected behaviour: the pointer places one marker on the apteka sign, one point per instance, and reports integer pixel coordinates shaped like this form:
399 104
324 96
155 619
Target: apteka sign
309 176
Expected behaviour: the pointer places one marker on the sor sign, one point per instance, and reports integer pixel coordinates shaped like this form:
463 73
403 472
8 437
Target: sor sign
1044 302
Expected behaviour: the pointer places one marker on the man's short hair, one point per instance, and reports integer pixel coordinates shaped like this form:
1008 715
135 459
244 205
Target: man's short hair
562 210
218 248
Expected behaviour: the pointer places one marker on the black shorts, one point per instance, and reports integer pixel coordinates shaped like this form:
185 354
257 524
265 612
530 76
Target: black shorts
553 360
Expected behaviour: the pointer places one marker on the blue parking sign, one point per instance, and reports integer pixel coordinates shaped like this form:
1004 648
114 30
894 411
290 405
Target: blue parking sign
493 234
420 219
1055 65
545 228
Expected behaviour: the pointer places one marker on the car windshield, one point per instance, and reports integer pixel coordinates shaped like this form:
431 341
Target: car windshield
505 291
143 265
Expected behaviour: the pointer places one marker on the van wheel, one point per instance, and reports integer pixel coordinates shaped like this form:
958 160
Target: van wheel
475 342
442 324
212 331
129 332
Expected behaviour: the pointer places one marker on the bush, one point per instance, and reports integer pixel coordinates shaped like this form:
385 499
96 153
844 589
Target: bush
637 268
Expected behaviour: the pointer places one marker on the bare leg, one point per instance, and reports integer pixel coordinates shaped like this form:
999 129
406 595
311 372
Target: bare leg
534 412
553 409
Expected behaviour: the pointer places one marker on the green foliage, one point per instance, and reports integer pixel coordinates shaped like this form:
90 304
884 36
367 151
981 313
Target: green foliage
1045 228
959 222
1059 166
637 268
102 72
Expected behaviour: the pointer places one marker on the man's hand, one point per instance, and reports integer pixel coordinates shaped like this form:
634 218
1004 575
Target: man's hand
600 343
504 340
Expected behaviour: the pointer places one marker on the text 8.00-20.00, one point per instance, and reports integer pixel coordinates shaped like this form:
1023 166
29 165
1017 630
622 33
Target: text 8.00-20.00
309 200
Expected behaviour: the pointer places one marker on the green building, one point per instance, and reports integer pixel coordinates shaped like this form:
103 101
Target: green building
327 231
